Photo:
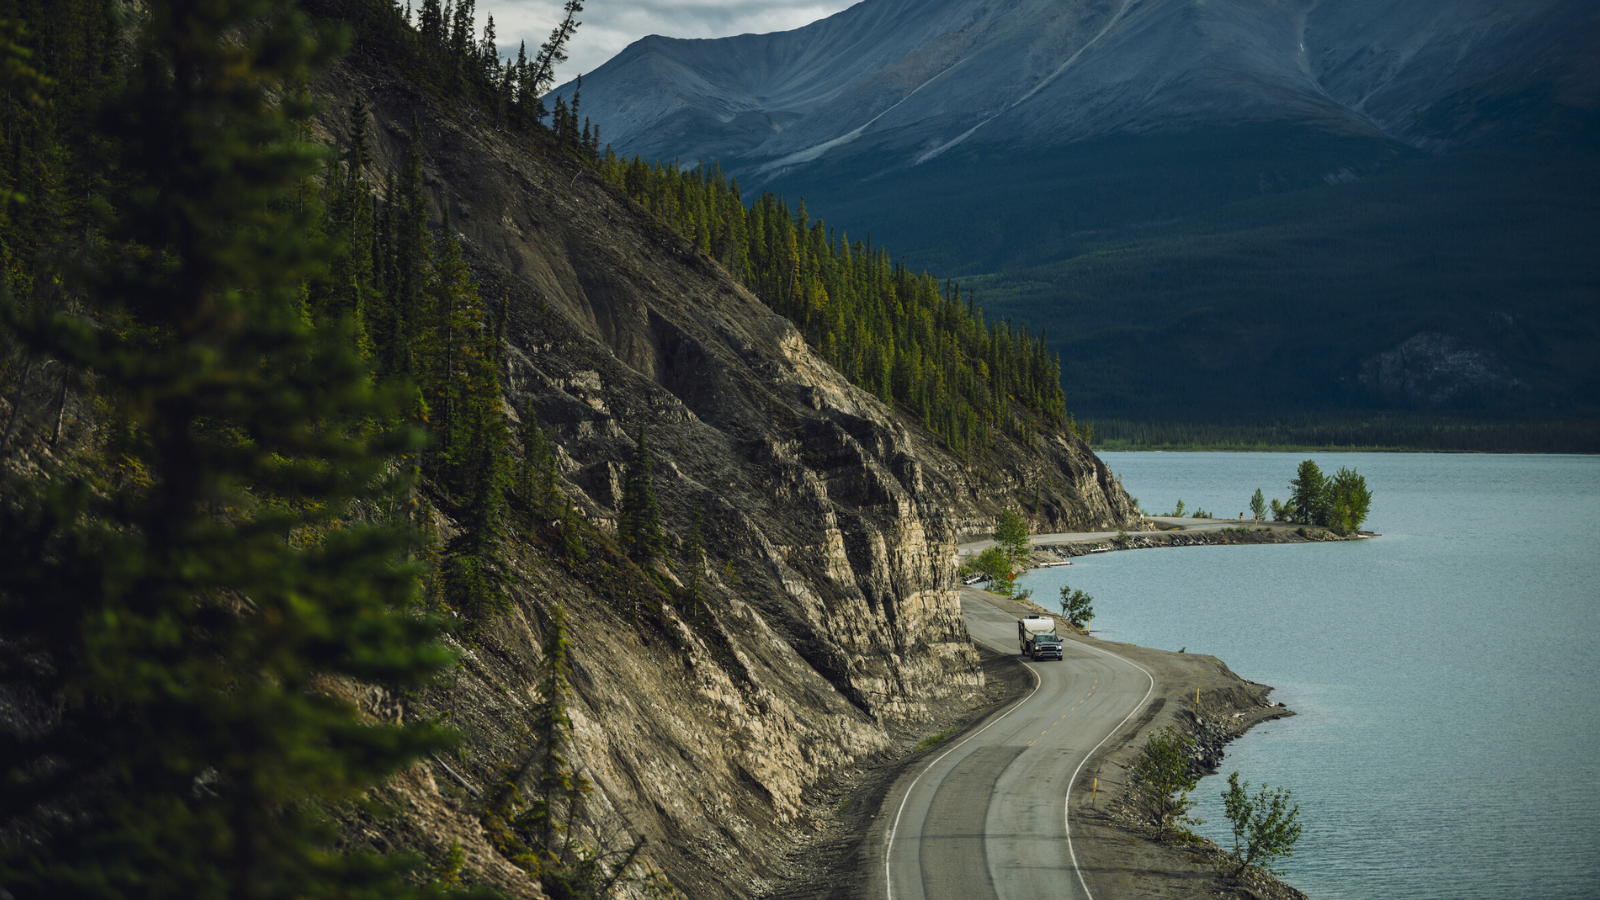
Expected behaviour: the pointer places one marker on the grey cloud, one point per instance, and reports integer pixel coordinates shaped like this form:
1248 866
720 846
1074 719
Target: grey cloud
608 27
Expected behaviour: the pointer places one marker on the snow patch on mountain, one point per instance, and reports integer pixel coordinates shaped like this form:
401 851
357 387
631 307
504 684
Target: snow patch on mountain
911 79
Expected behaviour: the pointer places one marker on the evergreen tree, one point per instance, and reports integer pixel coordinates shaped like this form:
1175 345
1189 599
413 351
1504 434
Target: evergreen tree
410 258
345 297
454 361
1309 495
572 546
175 620
537 481
528 106
431 24
489 55
474 560
558 119
462 48
529 817
639 519
553 52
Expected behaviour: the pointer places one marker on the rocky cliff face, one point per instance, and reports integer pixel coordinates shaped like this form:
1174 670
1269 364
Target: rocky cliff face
831 626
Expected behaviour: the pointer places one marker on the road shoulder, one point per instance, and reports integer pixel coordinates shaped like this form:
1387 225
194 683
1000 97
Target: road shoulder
1123 855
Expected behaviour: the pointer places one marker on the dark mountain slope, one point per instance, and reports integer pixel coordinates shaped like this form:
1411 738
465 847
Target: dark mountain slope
914 79
1172 259
1270 199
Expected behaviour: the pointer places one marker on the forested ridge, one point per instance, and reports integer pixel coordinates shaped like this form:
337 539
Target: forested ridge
902 335
899 333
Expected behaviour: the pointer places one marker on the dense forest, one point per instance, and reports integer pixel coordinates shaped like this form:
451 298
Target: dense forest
1371 430
241 371
903 336
1236 260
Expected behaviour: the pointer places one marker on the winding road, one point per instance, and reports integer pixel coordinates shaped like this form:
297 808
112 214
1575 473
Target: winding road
990 818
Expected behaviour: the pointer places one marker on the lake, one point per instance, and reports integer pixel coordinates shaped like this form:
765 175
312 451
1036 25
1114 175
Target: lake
1445 676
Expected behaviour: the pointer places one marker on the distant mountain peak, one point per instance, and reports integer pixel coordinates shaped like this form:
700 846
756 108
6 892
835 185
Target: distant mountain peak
914 80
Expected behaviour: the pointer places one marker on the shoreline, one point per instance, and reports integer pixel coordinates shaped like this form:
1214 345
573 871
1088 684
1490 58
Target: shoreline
1124 851
1125 854
1217 716
1164 531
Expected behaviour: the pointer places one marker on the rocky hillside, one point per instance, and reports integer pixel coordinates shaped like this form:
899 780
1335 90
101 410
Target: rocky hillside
831 627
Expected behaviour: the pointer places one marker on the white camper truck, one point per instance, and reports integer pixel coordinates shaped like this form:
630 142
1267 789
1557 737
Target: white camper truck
1037 635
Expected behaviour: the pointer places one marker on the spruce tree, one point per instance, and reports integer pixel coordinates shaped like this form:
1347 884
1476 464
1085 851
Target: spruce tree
639 520
537 481
1309 494
553 52
430 23
410 259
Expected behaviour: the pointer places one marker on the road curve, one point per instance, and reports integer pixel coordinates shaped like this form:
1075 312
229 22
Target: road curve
989 818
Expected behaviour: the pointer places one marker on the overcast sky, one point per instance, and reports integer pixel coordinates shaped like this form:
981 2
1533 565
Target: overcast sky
610 25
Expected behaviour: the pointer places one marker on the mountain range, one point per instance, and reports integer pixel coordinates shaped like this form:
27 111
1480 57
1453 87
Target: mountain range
1214 207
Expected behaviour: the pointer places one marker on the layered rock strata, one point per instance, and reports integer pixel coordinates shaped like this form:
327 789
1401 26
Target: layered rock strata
831 625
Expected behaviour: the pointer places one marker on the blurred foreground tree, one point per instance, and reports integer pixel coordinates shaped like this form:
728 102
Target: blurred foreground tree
185 617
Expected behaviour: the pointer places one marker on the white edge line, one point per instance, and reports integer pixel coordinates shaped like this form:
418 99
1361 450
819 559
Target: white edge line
888 844
1066 805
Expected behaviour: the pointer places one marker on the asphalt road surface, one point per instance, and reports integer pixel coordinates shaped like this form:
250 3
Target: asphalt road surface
989 818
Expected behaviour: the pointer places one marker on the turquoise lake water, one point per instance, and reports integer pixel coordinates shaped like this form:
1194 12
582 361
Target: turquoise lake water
1445 675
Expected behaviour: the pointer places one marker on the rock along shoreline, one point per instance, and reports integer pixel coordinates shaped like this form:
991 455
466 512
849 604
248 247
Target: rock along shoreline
1172 532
